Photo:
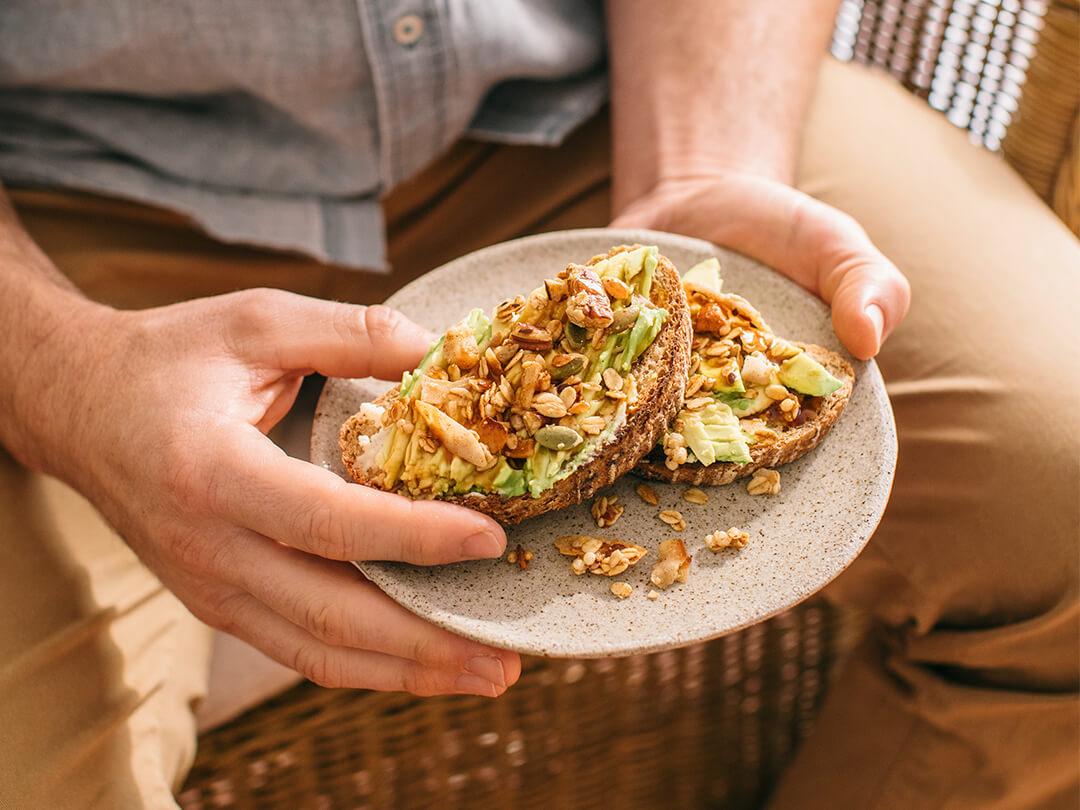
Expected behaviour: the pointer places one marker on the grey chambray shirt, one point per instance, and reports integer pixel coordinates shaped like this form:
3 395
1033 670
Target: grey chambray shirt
281 122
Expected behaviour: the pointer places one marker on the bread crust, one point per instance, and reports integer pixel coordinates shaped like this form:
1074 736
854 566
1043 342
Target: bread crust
792 444
660 375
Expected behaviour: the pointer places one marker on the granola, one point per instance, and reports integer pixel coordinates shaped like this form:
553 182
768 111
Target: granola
598 555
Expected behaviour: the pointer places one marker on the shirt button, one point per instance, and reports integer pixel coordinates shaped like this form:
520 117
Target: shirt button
408 29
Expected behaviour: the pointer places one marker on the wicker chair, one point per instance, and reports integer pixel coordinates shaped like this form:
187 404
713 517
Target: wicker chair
751 695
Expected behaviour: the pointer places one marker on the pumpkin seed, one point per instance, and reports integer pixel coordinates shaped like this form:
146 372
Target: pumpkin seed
573 368
577 335
624 319
557 437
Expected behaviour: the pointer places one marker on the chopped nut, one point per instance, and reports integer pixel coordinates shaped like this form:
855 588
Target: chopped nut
764 482
674 564
695 495
674 519
734 538
606 511
549 405
556 289
509 308
493 434
521 557
592 425
615 287
531 337
588 304
693 385
533 421
610 557
648 494
710 318
621 589
523 448
460 347
613 380
652 595
776 392
455 437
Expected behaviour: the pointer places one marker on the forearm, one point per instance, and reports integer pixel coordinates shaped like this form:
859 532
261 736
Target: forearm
710 86
38 306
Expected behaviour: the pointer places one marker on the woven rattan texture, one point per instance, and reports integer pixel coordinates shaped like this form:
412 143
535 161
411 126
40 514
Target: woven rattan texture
708 725
1008 71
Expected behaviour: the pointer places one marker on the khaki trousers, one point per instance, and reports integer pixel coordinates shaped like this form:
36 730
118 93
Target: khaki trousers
965 696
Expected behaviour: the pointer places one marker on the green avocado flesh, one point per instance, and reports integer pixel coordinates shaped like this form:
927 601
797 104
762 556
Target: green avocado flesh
446 474
705 274
806 375
713 434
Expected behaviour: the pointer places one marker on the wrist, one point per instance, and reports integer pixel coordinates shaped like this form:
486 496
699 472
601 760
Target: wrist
42 370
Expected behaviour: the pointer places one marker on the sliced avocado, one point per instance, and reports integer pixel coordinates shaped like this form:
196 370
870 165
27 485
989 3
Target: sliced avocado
723 372
806 375
747 403
641 336
705 274
716 436
508 482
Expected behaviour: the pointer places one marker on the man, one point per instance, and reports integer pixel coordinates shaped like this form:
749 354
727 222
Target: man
278 127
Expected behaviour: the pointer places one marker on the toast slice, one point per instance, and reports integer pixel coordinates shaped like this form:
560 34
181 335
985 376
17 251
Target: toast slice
558 395
753 399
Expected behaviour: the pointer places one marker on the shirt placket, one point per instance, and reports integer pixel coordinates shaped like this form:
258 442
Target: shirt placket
411 65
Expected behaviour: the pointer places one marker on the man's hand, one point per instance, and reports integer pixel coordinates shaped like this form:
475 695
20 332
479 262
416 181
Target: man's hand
817 246
159 418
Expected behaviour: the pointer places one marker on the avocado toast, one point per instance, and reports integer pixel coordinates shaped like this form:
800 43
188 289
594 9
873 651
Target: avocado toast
555 396
752 399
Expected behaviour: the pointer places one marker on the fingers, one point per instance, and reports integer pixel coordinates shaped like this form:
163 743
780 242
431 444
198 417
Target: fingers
244 616
294 332
337 606
815 245
868 302
312 509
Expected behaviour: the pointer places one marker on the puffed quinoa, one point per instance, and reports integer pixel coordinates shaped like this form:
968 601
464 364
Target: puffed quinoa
733 538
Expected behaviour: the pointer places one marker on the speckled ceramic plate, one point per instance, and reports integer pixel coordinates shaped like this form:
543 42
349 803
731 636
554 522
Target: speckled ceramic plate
830 503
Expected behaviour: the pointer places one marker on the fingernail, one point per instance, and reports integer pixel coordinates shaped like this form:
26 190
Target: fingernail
877 318
480 546
475 685
488 667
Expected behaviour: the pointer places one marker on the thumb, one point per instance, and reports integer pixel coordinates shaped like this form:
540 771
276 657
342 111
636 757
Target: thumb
298 333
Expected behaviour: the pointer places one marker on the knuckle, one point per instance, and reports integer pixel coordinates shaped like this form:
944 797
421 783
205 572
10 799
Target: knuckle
255 312
422 682
326 532
381 322
315 665
325 620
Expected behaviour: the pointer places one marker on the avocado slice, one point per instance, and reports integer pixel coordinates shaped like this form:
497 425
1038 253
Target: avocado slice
705 274
746 403
722 372
806 375
716 436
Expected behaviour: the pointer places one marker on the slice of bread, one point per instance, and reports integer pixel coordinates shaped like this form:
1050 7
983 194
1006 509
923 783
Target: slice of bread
793 441
659 375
